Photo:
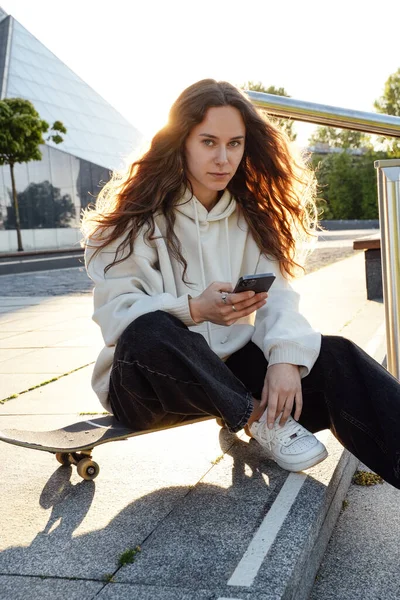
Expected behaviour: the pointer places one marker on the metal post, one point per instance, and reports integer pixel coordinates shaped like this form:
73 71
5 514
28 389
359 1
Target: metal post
389 217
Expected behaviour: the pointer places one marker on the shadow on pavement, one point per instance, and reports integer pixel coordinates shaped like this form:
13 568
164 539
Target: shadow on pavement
187 534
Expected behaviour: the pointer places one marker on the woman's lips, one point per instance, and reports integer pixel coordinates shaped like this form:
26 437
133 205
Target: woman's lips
219 175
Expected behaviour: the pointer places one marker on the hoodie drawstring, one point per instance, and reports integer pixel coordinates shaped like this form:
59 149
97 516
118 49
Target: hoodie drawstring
228 248
203 275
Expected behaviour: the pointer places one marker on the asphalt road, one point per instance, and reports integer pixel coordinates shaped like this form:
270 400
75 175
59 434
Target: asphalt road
58 274
39 262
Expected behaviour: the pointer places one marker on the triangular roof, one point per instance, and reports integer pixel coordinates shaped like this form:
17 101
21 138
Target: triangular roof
95 130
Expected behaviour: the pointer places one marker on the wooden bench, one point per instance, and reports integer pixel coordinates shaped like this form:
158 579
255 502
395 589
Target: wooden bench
373 264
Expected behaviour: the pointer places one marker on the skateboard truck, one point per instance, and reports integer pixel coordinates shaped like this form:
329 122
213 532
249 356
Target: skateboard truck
87 468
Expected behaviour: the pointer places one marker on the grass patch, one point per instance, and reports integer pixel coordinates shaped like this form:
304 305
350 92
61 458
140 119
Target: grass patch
43 383
109 577
128 556
366 478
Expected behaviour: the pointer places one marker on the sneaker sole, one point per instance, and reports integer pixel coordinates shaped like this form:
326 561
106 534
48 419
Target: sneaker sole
301 465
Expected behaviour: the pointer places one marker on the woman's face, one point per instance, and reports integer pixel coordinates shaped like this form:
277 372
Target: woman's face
213 151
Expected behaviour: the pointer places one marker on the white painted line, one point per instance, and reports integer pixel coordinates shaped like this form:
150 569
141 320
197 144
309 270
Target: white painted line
97 425
376 340
33 260
248 567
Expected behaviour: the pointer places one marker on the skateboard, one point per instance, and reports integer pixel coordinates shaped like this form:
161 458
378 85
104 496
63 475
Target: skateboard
73 444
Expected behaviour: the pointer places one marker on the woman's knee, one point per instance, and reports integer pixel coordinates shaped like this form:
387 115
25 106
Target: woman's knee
335 345
146 331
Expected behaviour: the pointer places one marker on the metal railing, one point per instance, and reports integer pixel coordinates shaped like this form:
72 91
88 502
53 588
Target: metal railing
320 114
388 191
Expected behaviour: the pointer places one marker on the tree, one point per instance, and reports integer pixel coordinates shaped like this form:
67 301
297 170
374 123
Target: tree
41 205
21 134
347 185
339 138
389 104
285 124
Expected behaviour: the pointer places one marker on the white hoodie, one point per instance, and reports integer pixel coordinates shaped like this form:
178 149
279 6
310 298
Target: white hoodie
218 247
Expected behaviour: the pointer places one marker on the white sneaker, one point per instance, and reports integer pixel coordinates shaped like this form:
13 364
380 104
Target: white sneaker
292 446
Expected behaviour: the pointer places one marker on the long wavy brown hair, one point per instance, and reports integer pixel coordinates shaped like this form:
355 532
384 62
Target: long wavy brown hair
273 186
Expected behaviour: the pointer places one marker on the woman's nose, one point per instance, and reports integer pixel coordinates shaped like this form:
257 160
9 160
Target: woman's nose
221 157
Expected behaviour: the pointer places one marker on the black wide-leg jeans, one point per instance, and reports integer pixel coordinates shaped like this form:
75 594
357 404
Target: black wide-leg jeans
164 374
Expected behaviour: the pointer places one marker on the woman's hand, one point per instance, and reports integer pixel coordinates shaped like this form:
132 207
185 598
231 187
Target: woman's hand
209 306
282 388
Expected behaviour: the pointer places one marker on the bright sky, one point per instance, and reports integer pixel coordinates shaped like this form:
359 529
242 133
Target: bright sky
140 54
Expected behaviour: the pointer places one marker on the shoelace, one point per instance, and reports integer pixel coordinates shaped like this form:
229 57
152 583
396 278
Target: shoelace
284 433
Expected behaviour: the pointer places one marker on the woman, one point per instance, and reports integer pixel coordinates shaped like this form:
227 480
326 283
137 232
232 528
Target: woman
218 195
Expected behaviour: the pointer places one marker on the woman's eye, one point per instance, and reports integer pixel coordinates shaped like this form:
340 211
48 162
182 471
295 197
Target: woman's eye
232 144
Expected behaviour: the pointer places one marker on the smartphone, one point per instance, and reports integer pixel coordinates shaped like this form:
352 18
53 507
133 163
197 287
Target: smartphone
255 283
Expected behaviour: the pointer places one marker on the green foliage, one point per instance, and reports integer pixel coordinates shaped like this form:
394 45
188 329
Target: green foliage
389 104
286 125
339 138
366 478
128 556
347 185
259 87
58 126
22 130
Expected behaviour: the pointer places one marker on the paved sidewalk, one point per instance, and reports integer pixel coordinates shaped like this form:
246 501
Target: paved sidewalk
363 556
188 500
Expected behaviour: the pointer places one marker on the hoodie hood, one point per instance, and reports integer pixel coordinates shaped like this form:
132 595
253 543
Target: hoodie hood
188 205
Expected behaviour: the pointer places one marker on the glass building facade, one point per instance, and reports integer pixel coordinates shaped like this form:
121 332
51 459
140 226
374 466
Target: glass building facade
53 191
51 194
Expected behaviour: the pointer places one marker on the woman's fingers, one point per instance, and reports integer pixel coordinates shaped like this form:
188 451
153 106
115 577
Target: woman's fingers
264 399
287 407
287 410
299 405
245 299
231 315
271 409
221 286
218 304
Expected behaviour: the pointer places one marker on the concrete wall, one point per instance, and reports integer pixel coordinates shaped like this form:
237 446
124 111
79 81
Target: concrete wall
40 239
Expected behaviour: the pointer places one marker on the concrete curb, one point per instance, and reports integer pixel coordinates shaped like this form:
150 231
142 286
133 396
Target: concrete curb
44 252
321 522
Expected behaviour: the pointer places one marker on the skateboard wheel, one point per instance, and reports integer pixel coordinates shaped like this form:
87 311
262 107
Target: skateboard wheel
63 458
220 422
88 469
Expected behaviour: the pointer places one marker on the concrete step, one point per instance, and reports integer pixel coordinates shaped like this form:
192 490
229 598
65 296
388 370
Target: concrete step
213 517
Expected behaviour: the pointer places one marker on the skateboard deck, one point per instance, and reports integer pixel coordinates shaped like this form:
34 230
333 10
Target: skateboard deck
74 443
